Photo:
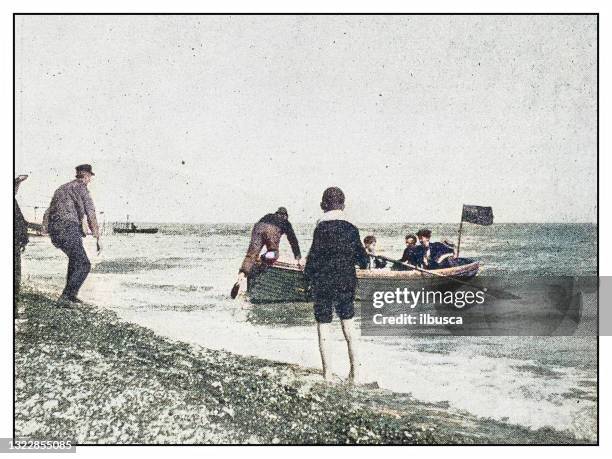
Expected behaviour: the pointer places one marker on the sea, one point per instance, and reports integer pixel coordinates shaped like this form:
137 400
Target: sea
177 283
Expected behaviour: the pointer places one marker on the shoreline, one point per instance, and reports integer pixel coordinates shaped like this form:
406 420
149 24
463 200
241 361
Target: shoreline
83 374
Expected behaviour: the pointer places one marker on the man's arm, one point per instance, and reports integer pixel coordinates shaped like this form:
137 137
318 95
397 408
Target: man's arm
440 252
295 246
361 256
312 259
417 255
379 263
90 212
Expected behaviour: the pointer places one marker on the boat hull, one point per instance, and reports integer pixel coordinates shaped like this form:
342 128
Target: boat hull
284 282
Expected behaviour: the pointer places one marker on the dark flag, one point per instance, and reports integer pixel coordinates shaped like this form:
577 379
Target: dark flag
477 214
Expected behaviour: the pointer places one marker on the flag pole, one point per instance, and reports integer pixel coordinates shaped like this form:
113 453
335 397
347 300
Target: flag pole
460 228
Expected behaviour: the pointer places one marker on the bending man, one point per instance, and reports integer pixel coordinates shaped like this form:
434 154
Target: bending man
71 203
267 233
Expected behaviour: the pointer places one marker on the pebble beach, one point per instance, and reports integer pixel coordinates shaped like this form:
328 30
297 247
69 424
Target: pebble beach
84 374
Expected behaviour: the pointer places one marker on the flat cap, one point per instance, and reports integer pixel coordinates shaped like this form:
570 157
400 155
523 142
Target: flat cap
84 168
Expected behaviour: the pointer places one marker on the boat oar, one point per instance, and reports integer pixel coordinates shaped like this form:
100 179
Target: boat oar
487 291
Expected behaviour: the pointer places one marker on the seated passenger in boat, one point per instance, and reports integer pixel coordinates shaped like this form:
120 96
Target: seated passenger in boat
433 255
374 262
409 252
409 255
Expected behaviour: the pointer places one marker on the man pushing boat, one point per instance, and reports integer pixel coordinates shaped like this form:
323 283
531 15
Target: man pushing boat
267 233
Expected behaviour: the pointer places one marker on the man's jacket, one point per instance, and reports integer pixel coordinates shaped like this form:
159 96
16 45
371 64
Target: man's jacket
284 227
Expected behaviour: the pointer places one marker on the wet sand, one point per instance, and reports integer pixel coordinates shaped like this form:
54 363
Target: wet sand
84 374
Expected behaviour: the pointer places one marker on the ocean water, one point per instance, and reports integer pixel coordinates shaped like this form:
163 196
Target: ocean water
177 283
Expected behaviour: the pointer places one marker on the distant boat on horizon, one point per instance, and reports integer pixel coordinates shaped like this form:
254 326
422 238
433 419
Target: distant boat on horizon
131 228
135 230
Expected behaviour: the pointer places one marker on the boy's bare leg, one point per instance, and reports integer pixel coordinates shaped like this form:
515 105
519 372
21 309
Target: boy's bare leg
351 342
324 330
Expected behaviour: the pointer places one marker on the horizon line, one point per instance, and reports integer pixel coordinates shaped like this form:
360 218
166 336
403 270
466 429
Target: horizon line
357 222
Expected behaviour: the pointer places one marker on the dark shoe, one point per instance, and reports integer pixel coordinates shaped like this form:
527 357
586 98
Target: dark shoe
235 290
64 302
75 300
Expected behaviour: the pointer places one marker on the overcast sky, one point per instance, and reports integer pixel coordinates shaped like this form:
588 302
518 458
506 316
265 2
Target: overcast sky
221 119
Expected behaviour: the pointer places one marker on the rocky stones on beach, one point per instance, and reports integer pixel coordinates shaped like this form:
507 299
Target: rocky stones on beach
84 375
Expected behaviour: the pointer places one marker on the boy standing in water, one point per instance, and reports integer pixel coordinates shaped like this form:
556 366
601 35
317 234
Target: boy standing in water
330 270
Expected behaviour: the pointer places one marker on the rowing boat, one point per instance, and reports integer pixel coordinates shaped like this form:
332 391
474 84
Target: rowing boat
285 282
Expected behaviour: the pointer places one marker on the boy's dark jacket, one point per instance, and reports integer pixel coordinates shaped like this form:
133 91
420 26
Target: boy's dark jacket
410 255
336 249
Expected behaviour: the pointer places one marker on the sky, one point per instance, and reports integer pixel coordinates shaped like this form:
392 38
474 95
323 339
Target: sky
224 118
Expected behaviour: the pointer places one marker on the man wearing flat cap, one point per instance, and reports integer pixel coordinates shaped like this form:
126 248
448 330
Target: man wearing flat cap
70 205
267 233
